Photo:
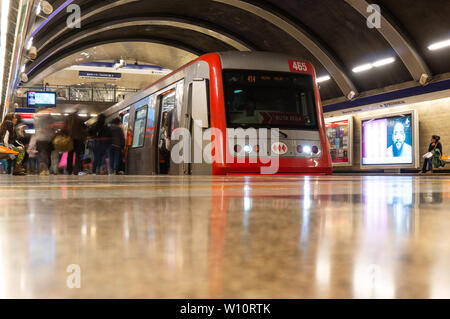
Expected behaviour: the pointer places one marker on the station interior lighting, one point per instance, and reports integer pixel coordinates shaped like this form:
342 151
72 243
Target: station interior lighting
30 43
3 32
307 149
323 79
376 64
439 45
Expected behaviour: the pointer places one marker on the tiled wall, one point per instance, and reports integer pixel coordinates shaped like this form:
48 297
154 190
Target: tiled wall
434 119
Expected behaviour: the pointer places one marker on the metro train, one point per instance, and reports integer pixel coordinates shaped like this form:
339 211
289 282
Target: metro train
221 93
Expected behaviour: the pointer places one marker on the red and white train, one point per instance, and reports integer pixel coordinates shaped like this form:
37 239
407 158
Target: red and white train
223 91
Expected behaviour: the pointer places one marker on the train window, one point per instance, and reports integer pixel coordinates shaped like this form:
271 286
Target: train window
140 122
270 99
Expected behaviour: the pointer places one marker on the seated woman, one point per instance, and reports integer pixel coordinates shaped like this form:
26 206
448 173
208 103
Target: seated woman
7 139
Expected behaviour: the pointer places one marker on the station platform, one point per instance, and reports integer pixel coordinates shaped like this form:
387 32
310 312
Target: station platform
225 237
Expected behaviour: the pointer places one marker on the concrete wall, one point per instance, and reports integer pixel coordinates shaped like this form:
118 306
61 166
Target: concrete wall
434 119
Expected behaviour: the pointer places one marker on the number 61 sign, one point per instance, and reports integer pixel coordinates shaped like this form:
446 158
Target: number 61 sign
298 66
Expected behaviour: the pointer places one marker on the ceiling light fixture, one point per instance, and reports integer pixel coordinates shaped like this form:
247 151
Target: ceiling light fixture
376 64
30 43
51 16
38 9
379 63
362 68
323 79
439 45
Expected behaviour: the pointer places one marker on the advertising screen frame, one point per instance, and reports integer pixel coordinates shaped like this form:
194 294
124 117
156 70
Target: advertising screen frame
40 92
350 120
414 136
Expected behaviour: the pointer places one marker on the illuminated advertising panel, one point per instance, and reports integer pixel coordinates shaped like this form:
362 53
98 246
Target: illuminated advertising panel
340 140
389 140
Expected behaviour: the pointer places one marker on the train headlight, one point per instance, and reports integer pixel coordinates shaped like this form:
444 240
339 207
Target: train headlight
307 149
247 149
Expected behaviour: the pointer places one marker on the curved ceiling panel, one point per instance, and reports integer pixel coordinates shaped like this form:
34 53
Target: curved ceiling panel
425 22
129 30
145 52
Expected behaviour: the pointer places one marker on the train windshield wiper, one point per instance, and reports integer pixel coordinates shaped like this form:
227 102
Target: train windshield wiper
283 134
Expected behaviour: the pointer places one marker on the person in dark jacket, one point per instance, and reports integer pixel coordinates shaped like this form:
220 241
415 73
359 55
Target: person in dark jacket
117 147
435 144
101 134
8 139
77 130
22 138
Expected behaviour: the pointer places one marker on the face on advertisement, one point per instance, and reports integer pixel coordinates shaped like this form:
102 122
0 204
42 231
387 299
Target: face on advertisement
398 137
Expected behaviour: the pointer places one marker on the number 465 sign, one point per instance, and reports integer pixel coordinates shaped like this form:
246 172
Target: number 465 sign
298 66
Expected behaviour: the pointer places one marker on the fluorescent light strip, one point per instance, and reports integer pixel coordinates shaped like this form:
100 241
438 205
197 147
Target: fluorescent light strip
4 29
439 45
62 7
379 63
323 79
376 64
363 68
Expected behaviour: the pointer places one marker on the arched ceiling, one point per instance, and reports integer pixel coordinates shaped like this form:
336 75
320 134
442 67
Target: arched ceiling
145 52
332 34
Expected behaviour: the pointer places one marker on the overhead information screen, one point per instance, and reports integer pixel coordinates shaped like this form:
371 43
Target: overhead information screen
37 99
388 140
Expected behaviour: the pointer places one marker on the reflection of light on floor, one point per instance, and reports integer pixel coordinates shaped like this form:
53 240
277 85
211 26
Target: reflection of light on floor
248 203
375 209
440 276
323 267
307 193
3 272
306 210
373 281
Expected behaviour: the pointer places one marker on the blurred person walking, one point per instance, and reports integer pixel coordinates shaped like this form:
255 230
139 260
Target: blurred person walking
77 130
117 147
44 137
101 134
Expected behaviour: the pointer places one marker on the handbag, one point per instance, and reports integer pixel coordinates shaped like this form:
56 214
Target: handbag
428 155
63 143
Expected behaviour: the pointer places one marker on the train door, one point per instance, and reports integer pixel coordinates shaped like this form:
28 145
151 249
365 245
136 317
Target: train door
166 123
125 115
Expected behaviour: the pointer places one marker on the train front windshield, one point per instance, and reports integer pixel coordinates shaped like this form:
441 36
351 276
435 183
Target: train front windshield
269 99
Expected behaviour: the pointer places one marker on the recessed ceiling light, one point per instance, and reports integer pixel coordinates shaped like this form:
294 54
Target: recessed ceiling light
439 45
363 68
376 64
383 62
323 78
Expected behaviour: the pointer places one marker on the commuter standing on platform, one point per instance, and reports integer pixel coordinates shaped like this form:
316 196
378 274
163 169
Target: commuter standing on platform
117 147
77 130
101 135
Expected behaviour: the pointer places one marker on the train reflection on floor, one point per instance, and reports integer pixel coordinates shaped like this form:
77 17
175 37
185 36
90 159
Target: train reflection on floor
234 237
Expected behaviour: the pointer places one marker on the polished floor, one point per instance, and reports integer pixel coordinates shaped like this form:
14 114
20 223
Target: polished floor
225 237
